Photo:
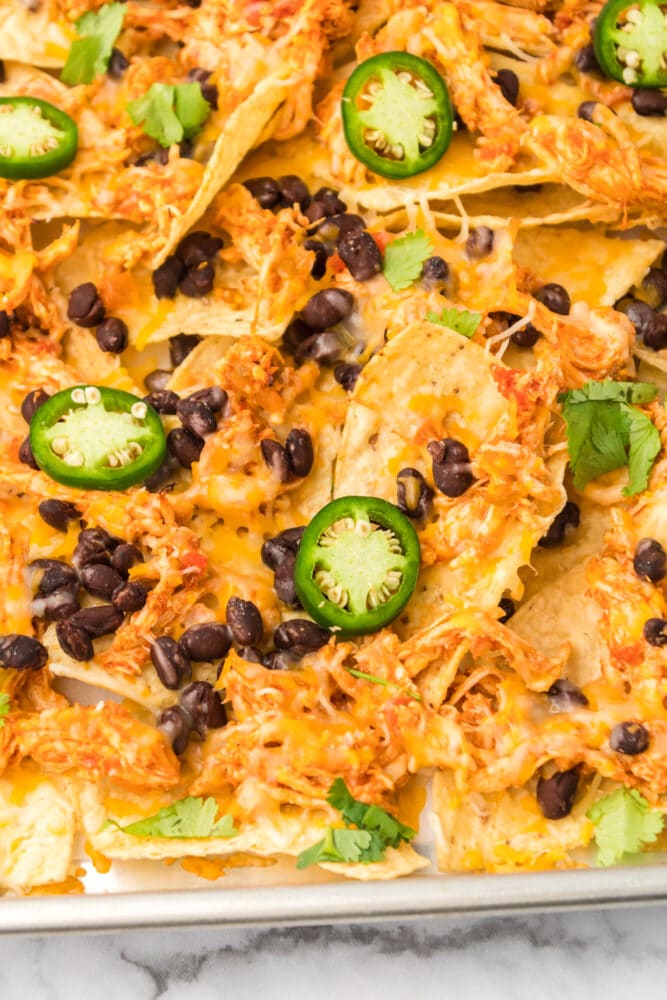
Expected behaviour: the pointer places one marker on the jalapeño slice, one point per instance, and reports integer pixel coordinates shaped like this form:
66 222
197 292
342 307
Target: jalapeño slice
397 115
36 138
96 438
630 42
357 565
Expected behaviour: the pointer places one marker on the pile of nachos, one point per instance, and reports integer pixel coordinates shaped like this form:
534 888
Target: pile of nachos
333 468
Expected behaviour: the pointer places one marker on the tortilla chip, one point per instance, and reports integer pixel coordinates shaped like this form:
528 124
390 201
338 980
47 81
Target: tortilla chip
37 827
505 832
33 36
566 256
429 369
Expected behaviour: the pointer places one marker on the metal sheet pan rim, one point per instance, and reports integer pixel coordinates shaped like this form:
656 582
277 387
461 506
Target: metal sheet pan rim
410 898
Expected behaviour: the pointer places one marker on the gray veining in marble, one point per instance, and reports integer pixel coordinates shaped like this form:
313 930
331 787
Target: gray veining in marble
578 956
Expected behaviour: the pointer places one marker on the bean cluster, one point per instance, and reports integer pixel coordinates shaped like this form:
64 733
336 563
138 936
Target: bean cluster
86 309
190 269
642 309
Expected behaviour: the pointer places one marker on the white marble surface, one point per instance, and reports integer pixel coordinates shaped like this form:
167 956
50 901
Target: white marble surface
577 956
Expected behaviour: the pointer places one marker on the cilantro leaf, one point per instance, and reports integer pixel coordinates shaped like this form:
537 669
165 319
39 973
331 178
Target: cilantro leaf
189 817
624 824
461 320
155 111
4 707
89 54
404 259
192 109
337 845
170 112
606 432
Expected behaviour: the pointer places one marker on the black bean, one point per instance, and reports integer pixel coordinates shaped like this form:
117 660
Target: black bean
325 348
159 155
186 149
112 335
555 795
5 327
22 652
198 248
639 313
300 636
508 608
130 596
654 631
204 705
184 446
453 479
198 281
264 190
435 269
163 400
209 92
413 494
586 111
117 64
527 336
655 285
171 663
275 550
214 397
337 227
276 459
293 191
448 450
648 102
322 254
210 641
554 297
74 641
176 725
3 74
56 605
586 61
479 243
156 381
283 582
100 620
650 560
26 456
347 375
296 333
124 557
181 345
197 417
326 308
326 202
251 654
46 575
568 517
279 659
508 82
655 335
32 402
629 738
359 251
164 477
564 696
244 621
58 513
299 448
85 307
100 580
94 545
167 276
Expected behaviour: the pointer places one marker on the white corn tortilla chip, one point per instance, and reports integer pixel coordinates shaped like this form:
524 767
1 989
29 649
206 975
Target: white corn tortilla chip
33 36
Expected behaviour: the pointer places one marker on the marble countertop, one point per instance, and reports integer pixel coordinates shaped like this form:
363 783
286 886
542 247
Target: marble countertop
545 957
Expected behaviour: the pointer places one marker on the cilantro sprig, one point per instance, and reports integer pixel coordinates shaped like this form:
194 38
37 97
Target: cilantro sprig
404 259
4 707
624 823
89 54
368 832
170 112
189 817
461 320
605 431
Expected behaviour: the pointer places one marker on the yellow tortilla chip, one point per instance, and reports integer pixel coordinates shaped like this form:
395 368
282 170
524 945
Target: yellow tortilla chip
32 35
